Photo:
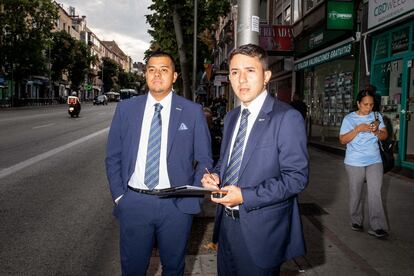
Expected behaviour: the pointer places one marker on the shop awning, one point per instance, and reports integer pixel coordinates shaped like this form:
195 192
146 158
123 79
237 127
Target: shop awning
330 53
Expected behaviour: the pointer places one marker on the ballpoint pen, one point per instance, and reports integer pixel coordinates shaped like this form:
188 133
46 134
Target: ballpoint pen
218 193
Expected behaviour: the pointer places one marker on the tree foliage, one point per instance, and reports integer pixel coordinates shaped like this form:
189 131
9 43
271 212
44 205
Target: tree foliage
69 56
81 63
26 26
162 26
110 74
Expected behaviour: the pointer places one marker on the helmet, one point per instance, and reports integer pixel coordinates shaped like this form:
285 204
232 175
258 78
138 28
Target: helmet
74 93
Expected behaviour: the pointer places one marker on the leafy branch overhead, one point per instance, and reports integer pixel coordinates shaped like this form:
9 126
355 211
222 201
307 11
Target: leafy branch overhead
172 31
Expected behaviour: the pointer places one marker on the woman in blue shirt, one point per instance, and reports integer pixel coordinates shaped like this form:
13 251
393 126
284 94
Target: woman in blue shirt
360 132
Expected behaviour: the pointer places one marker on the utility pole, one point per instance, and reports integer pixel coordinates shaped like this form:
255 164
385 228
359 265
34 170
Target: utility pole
247 26
248 22
195 50
102 89
51 92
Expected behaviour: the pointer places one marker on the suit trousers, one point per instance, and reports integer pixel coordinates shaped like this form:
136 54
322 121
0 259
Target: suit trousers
373 174
233 258
146 219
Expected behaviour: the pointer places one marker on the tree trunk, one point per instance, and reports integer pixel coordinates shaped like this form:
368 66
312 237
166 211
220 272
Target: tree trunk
183 58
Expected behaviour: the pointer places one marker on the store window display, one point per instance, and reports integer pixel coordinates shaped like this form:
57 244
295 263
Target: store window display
328 92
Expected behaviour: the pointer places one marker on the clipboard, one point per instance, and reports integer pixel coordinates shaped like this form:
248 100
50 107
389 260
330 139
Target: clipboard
183 191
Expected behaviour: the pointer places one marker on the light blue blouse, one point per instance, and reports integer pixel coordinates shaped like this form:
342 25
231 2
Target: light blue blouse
363 150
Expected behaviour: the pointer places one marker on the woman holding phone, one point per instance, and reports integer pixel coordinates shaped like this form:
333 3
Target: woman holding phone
360 131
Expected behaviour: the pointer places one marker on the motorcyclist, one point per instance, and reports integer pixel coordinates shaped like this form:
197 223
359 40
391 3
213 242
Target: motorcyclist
74 100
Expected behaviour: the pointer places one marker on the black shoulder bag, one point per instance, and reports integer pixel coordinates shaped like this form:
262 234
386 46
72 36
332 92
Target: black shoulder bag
386 148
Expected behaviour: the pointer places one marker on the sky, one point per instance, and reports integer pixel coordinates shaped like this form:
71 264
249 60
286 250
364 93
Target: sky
120 20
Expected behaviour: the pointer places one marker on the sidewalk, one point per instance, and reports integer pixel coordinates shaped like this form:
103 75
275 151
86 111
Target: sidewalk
333 248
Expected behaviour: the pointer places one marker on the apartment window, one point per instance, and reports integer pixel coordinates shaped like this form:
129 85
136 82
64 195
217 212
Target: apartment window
297 10
279 19
64 26
309 4
263 10
287 15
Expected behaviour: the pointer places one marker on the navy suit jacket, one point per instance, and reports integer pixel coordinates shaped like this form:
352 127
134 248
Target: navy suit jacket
273 171
188 150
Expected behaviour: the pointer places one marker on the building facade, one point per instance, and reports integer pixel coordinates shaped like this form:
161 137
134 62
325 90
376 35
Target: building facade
387 54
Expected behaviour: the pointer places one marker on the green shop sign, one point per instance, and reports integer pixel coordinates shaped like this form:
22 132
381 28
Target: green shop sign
339 15
88 87
332 54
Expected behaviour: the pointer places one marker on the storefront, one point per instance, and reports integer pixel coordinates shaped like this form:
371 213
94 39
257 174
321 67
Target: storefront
327 79
277 40
392 73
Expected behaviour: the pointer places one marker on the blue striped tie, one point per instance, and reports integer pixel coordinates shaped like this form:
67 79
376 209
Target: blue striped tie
152 165
232 172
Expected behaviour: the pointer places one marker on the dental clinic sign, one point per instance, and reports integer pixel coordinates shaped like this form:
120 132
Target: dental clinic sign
329 55
381 11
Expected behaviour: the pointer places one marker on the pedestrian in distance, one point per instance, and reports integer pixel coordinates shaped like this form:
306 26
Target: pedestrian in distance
263 166
299 105
158 140
360 131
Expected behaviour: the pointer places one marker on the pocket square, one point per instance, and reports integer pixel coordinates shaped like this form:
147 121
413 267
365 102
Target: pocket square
183 127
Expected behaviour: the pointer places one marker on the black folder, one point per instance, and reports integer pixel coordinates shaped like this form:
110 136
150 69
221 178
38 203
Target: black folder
186 190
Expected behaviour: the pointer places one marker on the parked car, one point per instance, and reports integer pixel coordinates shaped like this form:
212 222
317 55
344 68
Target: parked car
101 99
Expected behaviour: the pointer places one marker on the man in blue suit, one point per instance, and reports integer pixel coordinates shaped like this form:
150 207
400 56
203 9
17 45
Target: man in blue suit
263 166
159 140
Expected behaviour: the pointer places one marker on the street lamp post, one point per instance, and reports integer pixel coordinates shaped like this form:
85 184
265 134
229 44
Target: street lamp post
195 50
51 94
11 88
102 88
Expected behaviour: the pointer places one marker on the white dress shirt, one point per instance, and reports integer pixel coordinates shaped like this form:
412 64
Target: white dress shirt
254 108
137 178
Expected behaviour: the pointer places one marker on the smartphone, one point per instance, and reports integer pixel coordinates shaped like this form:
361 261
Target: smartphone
375 123
219 193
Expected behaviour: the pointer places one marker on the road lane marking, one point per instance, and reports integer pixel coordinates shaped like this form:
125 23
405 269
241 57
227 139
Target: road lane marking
19 166
41 126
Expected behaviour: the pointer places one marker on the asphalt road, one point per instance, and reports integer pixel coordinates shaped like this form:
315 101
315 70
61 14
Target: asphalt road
55 206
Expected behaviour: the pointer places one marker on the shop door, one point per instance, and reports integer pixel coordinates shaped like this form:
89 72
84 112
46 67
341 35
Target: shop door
407 116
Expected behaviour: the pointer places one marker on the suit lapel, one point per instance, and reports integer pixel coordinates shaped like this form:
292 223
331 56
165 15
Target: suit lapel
229 134
137 115
257 131
175 115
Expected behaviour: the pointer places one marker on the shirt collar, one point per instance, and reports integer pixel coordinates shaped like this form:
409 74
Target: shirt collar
255 105
166 102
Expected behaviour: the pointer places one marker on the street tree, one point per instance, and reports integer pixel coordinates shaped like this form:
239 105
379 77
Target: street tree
179 15
26 27
62 54
109 70
81 64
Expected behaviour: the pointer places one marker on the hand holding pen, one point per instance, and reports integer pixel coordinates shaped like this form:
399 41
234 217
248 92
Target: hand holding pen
210 181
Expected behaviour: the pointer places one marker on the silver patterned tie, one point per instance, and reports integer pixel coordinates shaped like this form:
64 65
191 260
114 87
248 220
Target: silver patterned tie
232 172
152 165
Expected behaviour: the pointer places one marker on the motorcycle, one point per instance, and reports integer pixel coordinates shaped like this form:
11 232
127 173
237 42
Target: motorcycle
74 110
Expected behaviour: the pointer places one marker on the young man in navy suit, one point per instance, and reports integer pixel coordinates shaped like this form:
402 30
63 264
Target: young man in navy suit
263 166
158 140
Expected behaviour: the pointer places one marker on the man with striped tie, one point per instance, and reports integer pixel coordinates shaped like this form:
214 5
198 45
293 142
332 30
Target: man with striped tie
263 165
154 142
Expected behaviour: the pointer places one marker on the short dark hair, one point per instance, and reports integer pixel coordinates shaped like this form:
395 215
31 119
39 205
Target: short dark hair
161 54
363 93
251 50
